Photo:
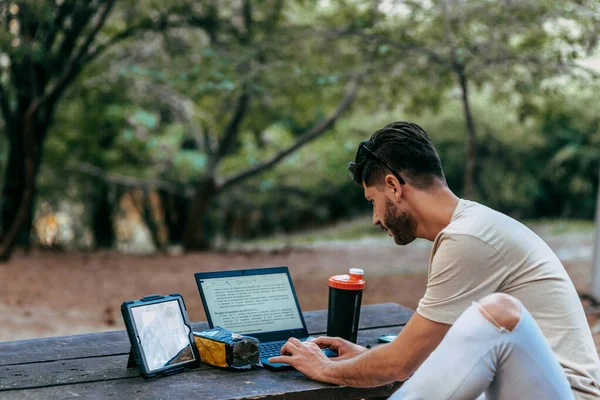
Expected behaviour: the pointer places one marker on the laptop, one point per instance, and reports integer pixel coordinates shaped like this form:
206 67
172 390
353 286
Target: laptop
256 302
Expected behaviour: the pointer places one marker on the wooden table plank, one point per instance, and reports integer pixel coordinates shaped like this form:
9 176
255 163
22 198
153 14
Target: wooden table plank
97 369
94 366
207 386
117 343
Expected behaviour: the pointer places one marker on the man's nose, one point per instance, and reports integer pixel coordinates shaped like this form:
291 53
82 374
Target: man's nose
376 220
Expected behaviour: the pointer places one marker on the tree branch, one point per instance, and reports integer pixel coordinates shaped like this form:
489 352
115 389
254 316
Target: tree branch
449 36
72 67
206 141
248 21
126 34
29 23
149 25
232 130
5 108
5 15
133 182
313 133
63 10
74 64
79 17
275 14
404 45
517 58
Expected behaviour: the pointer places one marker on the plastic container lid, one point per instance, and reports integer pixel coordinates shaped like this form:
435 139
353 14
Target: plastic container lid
352 281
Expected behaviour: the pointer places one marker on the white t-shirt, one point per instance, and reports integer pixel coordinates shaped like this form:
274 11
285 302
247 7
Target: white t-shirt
483 251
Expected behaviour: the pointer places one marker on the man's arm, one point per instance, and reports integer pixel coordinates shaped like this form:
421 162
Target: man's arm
382 365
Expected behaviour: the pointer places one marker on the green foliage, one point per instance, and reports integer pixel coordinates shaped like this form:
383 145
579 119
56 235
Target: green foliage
544 166
153 107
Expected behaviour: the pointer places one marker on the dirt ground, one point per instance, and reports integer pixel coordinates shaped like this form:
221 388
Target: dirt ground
50 294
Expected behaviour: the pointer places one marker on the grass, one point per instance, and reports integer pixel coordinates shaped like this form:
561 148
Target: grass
562 226
362 227
350 230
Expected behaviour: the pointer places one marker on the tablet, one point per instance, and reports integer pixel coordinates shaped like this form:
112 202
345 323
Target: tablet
161 335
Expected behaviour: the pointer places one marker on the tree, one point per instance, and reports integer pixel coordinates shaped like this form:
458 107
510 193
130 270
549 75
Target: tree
251 83
513 47
595 286
205 192
259 59
46 46
45 56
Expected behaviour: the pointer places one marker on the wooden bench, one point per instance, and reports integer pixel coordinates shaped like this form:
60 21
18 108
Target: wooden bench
94 366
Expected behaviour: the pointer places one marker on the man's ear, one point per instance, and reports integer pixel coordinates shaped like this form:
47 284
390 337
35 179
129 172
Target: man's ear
392 184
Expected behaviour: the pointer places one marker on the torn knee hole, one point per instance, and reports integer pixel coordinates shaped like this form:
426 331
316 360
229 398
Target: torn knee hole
502 310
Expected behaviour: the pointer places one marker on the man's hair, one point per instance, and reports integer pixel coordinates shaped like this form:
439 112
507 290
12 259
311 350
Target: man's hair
406 148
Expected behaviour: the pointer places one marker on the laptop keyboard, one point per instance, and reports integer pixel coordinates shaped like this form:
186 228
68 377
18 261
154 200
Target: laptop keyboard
272 349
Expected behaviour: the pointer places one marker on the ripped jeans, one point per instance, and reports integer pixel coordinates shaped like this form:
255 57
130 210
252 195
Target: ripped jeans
476 356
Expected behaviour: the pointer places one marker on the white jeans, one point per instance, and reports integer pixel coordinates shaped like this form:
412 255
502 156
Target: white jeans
478 357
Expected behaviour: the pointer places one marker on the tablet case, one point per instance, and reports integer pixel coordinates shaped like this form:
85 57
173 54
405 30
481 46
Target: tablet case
136 352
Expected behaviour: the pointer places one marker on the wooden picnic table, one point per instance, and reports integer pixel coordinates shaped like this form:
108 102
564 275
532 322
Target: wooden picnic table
94 366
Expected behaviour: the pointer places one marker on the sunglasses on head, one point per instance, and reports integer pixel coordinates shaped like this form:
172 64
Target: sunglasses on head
364 151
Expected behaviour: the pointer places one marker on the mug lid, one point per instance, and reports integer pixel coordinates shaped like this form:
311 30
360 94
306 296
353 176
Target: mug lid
352 281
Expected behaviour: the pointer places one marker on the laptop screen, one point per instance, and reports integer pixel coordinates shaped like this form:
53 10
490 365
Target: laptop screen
251 303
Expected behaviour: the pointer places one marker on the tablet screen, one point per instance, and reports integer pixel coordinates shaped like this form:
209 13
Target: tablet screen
162 334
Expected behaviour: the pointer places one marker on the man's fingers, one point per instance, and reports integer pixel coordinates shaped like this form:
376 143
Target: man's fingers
280 359
290 347
325 341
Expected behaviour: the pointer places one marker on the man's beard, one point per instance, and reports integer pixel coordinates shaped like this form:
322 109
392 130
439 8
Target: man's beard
401 224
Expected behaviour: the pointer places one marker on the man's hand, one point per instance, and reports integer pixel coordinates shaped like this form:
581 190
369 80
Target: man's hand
383 364
306 357
343 348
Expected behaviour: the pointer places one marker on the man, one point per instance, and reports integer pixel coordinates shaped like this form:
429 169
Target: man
494 273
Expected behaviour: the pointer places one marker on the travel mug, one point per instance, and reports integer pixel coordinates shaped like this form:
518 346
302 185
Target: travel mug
343 313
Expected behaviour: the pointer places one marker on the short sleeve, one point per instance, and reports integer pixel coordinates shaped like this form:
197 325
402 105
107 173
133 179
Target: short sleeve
463 269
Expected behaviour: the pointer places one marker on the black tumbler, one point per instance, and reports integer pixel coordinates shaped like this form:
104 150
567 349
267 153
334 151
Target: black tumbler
343 313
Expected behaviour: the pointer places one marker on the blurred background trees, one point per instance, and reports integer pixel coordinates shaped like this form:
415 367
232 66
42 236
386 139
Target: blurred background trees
207 121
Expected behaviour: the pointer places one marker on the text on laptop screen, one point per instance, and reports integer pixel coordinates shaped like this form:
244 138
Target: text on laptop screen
252 304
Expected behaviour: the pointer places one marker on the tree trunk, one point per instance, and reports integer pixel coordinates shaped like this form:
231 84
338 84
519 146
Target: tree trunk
228 224
596 260
14 185
471 138
102 223
176 210
152 221
194 236
20 176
